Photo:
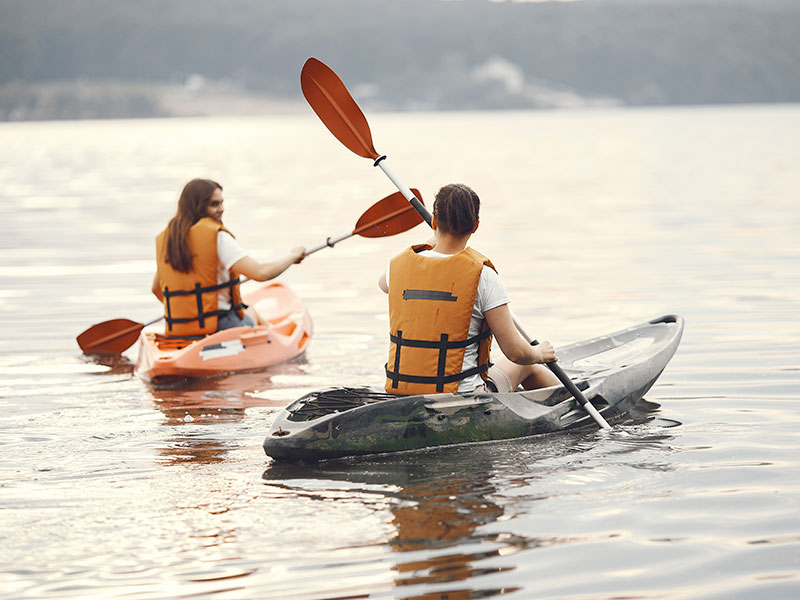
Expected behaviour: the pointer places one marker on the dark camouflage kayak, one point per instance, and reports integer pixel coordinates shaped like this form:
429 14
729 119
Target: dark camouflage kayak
613 371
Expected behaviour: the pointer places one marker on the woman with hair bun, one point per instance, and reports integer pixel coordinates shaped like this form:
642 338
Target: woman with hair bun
446 302
199 264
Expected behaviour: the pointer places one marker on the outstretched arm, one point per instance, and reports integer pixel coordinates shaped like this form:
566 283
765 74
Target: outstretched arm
252 269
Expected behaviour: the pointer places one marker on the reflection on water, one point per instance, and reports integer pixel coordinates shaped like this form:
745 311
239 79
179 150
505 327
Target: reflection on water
446 514
115 365
443 515
428 512
465 498
190 404
200 450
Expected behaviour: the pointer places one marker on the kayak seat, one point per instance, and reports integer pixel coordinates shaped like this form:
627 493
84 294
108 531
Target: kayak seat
269 311
173 342
287 328
272 318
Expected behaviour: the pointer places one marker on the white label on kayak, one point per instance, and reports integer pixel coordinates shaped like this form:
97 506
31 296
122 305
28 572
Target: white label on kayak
222 349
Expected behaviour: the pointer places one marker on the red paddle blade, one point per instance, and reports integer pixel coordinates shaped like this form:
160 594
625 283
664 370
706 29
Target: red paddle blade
336 108
389 216
110 337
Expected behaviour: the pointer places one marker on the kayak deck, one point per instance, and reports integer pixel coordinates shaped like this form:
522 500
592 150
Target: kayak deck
283 332
613 372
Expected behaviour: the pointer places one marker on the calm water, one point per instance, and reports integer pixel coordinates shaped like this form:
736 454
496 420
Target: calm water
596 220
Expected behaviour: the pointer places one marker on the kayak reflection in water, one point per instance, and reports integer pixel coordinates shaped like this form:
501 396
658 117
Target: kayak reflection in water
446 301
199 264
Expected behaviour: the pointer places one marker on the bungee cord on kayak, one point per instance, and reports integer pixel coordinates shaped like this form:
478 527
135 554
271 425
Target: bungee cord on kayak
334 400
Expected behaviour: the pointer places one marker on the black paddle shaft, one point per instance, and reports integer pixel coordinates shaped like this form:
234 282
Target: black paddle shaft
415 202
564 379
422 210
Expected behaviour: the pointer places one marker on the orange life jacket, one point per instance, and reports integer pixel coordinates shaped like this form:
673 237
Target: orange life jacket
190 299
430 308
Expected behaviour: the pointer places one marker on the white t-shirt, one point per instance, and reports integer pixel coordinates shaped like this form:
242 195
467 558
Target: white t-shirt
491 294
229 252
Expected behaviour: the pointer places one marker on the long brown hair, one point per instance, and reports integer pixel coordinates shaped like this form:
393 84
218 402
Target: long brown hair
456 209
192 207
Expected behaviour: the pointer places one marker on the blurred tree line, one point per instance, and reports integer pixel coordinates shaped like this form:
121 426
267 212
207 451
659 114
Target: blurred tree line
400 54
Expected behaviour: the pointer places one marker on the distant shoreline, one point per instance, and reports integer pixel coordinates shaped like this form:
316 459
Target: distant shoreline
123 100
70 101
197 97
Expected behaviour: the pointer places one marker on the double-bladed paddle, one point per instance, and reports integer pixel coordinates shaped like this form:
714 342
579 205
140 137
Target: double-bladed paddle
330 99
388 216
112 337
336 108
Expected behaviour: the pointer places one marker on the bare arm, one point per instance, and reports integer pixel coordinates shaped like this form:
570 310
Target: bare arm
382 283
157 288
513 345
252 269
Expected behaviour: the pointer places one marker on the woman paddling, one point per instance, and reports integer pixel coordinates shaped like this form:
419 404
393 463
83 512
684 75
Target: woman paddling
446 302
199 264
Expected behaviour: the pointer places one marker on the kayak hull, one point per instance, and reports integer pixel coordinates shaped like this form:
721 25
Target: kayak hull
283 332
613 372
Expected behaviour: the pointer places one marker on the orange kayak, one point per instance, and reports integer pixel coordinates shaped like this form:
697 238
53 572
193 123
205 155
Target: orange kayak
284 330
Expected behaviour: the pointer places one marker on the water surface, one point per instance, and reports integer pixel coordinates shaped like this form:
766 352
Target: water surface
597 220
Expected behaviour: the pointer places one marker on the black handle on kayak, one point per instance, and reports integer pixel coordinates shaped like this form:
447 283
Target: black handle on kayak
573 389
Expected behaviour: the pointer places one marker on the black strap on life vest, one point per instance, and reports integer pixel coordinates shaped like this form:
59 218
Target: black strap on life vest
198 292
443 345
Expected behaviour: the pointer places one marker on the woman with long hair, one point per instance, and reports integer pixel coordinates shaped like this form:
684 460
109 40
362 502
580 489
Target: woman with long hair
199 263
446 302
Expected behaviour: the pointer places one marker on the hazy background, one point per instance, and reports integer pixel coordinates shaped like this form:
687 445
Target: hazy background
145 58
597 218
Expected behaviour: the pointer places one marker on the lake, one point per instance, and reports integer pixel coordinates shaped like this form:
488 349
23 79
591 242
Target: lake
595 219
